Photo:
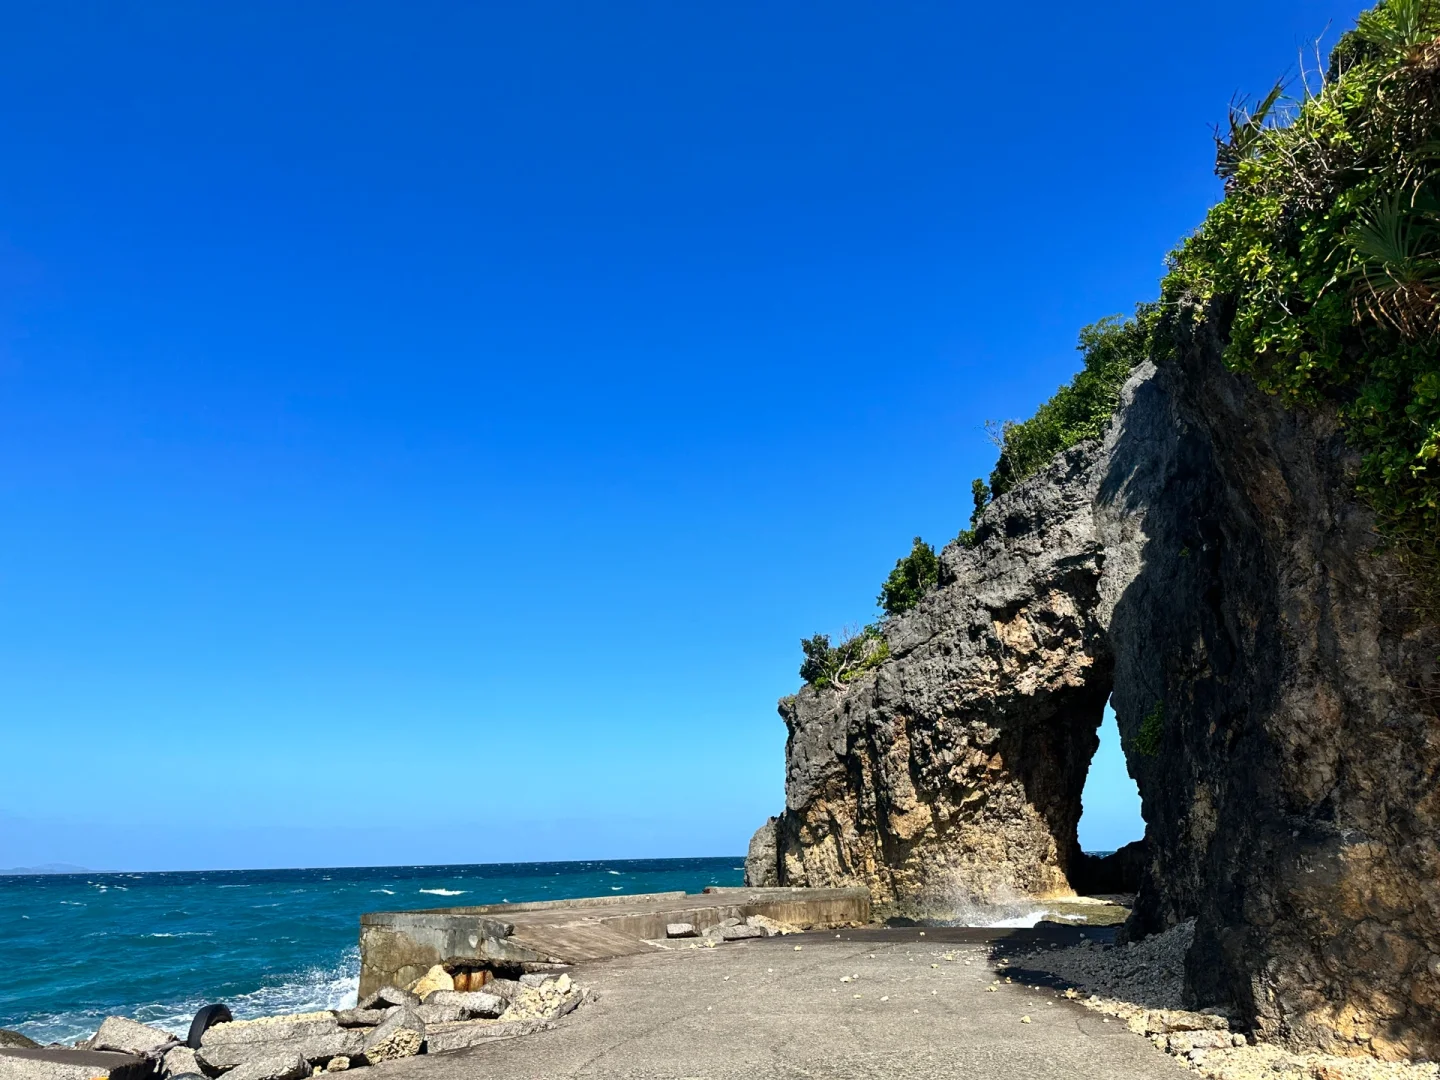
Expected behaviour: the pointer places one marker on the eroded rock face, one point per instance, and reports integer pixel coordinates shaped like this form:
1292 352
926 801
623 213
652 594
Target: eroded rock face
1290 687
954 770
1276 687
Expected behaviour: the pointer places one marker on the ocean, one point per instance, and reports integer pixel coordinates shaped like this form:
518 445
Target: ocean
76 948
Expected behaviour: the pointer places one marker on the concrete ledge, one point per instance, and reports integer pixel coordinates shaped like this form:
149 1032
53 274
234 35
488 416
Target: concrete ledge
397 947
56 1064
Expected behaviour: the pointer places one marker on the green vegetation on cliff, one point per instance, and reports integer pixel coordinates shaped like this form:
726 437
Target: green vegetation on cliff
1081 409
913 576
1321 264
1325 255
828 665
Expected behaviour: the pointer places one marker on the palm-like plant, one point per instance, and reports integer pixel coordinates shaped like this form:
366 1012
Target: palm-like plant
1395 262
1247 126
1401 26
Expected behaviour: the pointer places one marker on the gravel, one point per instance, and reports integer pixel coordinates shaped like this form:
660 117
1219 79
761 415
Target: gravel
1143 985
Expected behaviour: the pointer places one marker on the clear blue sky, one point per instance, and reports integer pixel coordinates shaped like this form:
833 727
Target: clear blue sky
427 429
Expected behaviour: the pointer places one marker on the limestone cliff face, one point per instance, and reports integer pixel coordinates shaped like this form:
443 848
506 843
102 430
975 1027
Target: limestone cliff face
1276 687
955 769
1291 801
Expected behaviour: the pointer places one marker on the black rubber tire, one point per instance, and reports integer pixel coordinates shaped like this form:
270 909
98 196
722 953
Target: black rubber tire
205 1019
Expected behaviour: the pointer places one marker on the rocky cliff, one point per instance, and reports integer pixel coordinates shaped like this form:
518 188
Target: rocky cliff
954 771
1275 677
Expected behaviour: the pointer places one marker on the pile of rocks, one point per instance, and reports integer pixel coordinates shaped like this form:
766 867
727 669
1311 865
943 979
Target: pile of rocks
756 926
432 1017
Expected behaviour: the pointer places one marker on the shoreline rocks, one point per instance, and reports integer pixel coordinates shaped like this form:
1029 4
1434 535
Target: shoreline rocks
317 1037
390 1024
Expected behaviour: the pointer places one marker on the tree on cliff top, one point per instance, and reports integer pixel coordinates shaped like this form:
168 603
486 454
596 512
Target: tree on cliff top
913 576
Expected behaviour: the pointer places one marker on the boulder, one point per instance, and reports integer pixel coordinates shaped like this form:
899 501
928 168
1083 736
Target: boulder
457 1036
353 1018
549 1001
388 997
504 989
289 1065
437 978
127 1036
337 1064
762 864
472 1004
440 1014
1197 1040
178 1061
317 1037
401 1035
679 929
537 978
733 933
1119 872
16 1041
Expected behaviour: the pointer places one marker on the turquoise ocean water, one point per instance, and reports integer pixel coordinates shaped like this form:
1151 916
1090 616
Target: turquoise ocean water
76 948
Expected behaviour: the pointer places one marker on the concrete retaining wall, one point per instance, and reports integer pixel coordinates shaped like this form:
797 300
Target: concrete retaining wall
397 947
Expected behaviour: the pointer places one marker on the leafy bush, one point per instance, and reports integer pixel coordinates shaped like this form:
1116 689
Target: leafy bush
981 494
1081 409
1327 249
913 576
828 665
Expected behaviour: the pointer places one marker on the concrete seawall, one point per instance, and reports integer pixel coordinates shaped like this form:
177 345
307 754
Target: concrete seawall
397 947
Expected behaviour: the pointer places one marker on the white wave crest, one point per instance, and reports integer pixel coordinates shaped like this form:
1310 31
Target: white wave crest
444 892
306 991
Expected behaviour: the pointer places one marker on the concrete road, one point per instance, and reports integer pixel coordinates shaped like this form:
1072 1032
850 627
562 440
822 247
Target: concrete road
761 1009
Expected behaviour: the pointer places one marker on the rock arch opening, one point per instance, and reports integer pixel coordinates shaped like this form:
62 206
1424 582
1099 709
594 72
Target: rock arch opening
1110 814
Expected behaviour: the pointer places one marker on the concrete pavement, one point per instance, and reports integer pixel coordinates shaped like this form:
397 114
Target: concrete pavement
764 1009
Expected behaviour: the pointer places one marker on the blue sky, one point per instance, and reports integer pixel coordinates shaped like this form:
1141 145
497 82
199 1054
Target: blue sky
427 430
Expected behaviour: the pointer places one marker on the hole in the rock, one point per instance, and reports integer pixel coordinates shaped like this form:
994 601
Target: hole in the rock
1110 803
